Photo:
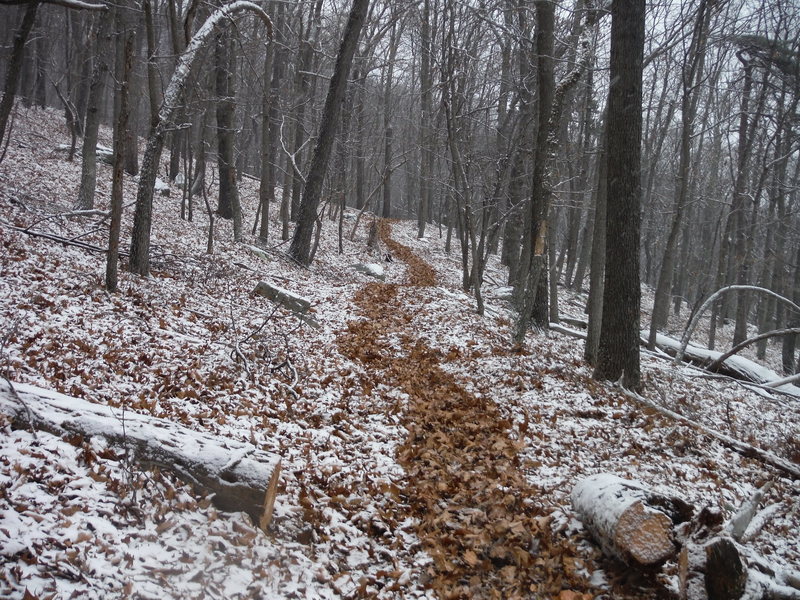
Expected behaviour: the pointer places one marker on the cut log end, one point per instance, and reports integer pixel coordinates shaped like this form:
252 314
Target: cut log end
645 535
269 499
626 519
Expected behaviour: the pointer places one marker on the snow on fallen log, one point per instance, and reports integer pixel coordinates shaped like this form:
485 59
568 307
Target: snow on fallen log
629 521
293 302
240 476
737 367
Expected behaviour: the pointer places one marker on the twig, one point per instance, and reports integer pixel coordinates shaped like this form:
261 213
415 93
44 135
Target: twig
62 240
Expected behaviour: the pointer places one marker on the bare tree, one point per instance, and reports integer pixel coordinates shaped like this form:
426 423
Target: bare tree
618 350
173 96
300 248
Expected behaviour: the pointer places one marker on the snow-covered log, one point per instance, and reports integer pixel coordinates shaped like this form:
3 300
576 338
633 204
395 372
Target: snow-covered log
629 521
293 302
240 476
690 327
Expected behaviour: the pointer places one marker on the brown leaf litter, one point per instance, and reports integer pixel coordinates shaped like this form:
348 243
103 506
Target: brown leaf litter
480 520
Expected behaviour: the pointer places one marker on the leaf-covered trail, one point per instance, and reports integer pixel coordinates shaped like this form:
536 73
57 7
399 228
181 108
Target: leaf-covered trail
478 517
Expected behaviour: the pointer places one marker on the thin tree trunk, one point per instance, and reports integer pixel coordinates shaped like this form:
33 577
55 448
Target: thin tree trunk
123 71
692 77
266 187
598 256
300 247
15 65
86 191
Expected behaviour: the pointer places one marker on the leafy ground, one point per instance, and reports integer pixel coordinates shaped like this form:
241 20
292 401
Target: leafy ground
424 455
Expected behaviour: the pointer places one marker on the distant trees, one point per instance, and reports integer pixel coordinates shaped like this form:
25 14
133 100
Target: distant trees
482 121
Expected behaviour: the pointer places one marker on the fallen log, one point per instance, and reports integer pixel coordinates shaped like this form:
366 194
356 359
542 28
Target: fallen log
240 476
629 521
785 466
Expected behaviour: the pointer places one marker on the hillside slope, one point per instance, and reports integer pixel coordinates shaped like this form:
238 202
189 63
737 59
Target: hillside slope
423 455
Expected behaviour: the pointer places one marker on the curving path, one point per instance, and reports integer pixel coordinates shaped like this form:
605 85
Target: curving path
479 518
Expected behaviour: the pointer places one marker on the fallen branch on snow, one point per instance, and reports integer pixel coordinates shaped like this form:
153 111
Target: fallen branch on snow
785 466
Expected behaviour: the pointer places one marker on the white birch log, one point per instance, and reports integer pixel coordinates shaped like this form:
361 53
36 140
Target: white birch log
240 476
629 521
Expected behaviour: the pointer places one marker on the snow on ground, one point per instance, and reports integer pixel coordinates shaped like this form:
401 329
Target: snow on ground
193 344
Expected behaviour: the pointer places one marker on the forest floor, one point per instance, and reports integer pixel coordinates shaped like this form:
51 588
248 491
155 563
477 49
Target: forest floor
424 455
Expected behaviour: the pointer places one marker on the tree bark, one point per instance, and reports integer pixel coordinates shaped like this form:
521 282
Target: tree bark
300 248
618 352
240 477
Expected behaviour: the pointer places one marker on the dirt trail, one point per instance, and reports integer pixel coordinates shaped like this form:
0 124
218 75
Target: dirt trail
479 519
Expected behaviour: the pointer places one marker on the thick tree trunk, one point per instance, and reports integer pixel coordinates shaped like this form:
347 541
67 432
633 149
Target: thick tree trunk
240 477
618 352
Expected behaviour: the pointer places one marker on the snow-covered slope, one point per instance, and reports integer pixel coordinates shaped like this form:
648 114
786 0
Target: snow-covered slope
193 344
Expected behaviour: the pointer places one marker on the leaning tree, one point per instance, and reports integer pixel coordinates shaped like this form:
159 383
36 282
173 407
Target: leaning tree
173 97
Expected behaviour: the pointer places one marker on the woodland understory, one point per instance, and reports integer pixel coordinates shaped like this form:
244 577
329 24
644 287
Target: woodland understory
412 271
425 454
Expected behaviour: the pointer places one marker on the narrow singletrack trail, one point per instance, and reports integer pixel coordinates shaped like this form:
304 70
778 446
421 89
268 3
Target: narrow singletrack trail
479 519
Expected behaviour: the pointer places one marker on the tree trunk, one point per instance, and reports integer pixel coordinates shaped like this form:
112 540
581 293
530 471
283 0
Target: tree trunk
92 124
228 202
15 65
240 476
597 270
618 351
528 283
426 121
300 247
125 38
269 109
